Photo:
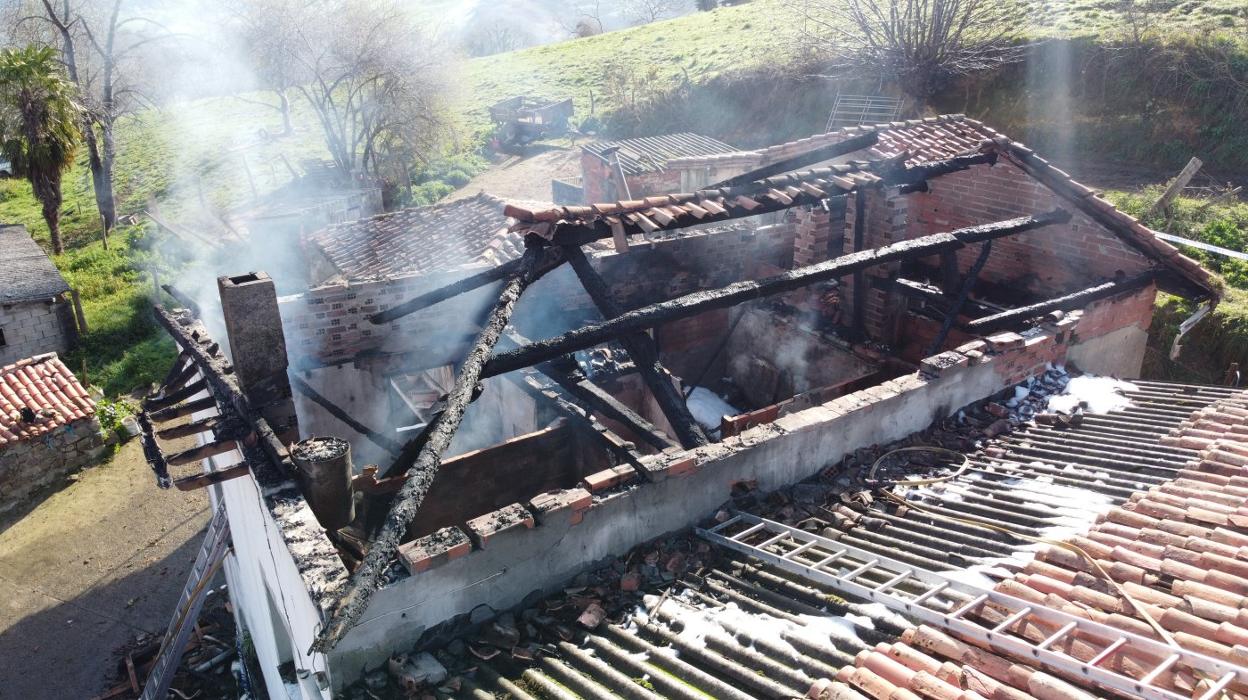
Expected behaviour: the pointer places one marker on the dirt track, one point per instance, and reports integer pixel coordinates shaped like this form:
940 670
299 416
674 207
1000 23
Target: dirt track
88 569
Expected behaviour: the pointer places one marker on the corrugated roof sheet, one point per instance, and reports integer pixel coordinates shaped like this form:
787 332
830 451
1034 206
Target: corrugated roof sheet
44 389
1167 476
26 272
650 153
420 239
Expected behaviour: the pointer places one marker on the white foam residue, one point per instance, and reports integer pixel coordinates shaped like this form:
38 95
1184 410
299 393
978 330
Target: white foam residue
1100 394
697 622
708 409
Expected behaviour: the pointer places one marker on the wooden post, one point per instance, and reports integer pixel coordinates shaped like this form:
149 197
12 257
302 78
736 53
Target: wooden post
1176 185
78 314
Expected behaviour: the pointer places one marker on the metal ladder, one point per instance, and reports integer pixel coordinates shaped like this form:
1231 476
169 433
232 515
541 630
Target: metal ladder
211 554
945 603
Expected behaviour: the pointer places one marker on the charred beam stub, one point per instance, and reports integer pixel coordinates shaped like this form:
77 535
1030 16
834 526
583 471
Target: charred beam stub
193 338
199 481
364 581
184 300
641 348
151 452
1075 300
736 293
183 409
507 270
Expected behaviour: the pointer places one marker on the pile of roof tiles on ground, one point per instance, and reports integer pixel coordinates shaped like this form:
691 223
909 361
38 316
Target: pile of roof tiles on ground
38 395
678 619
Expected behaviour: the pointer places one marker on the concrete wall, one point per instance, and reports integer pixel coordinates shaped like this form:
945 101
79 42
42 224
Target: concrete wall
572 534
33 328
27 466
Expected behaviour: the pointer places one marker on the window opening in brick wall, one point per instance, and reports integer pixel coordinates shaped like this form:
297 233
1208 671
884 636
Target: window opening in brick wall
2 341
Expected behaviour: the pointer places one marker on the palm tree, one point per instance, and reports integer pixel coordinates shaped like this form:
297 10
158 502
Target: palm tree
39 120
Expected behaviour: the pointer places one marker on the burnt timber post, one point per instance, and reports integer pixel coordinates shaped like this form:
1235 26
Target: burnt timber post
641 348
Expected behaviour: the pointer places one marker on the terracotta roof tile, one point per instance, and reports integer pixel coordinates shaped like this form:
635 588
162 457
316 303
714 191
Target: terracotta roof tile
42 386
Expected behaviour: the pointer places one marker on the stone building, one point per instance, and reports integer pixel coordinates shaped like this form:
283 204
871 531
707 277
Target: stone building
48 427
901 272
36 309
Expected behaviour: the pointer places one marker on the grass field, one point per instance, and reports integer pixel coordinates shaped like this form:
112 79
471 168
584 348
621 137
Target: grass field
199 154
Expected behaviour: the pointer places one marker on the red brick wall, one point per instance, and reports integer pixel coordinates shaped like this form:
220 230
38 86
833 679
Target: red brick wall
1045 262
597 176
815 233
886 221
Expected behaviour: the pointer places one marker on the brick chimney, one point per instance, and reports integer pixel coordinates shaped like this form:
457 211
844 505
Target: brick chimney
258 348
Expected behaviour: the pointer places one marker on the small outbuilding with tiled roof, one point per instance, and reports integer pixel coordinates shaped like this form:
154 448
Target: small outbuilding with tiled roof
48 426
36 311
637 167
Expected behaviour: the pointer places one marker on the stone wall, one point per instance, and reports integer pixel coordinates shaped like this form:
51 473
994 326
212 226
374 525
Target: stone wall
35 328
30 465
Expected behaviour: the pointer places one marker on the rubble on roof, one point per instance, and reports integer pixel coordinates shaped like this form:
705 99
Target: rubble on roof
1152 485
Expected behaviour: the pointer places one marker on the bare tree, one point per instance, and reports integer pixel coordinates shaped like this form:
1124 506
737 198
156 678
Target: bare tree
647 11
101 44
374 81
587 21
496 36
919 44
267 32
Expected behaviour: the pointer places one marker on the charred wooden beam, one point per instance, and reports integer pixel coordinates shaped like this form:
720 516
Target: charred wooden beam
622 449
367 576
932 295
507 270
807 159
578 233
164 399
206 425
702 301
604 404
1067 302
182 363
193 338
641 349
385 443
964 293
199 481
151 452
184 409
184 300
199 454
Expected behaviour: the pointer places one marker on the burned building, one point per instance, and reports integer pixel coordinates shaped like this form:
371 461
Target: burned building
529 418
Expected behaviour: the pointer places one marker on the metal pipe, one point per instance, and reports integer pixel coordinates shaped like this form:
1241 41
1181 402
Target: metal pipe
323 470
